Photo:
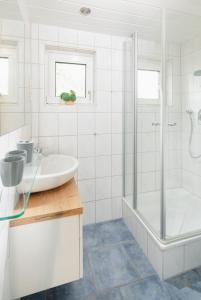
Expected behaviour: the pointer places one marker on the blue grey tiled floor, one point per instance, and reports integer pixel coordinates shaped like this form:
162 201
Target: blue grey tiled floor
115 268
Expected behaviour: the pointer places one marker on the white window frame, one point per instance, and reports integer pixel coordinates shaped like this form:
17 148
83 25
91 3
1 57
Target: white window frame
73 57
149 64
11 54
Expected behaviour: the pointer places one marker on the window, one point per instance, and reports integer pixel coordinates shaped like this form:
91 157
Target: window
3 76
148 84
67 70
70 76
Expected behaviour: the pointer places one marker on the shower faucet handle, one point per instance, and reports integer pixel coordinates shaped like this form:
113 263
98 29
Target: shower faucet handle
155 124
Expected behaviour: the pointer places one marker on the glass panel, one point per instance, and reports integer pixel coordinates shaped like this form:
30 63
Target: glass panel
142 124
148 127
70 77
3 76
19 193
183 127
128 123
148 84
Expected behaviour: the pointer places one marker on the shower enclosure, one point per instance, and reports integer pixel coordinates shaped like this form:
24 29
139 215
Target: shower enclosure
162 125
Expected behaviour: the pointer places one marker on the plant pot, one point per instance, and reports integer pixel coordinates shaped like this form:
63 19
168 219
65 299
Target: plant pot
69 102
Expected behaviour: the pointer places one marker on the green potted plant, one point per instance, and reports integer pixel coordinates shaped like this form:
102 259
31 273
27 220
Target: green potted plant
68 97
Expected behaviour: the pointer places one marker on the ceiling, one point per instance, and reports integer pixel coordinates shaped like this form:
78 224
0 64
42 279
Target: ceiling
121 17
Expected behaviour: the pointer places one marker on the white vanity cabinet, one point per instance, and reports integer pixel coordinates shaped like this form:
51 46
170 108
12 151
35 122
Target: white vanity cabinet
48 251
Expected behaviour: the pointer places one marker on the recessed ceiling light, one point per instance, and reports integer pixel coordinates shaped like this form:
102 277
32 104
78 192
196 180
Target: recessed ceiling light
85 11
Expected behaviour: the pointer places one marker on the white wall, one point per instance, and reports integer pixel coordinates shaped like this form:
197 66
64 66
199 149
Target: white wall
91 132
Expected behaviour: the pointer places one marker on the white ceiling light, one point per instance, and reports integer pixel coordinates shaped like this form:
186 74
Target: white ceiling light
85 11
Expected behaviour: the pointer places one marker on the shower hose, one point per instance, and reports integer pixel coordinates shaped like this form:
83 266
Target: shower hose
190 113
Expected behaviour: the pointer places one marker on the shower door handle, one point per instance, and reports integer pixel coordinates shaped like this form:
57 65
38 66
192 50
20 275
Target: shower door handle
155 124
172 124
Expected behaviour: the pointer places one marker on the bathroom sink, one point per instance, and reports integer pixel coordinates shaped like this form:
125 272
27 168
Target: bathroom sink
55 170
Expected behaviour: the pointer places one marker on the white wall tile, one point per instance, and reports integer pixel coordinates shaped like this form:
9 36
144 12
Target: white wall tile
86 168
103 188
117 42
102 40
103 144
103 210
86 38
48 124
68 36
87 190
48 33
67 124
68 145
86 123
89 213
49 145
117 81
117 123
86 145
116 101
116 144
103 101
103 80
117 61
103 166
103 58
116 165
103 123
116 208
116 186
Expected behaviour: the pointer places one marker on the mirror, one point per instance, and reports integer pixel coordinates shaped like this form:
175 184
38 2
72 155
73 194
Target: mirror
14 70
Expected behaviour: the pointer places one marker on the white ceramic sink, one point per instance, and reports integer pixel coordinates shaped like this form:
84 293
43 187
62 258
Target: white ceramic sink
55 170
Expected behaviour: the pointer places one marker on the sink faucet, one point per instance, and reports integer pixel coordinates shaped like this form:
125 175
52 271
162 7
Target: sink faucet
38 149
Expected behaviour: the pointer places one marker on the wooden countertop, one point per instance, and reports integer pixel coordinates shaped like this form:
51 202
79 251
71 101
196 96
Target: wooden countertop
63 201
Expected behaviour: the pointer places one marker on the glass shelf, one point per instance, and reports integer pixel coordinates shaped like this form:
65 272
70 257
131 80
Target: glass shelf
14 200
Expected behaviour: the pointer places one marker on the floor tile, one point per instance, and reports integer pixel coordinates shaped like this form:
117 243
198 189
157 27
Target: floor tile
91 238
138 259
147 289
114 232
184 280
113 294
77 290
111 267
196 286
189 294
37 296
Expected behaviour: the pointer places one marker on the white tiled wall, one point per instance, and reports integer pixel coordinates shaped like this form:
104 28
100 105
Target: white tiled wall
91 132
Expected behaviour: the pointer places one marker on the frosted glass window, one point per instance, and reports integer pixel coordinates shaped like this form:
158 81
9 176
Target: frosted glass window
148 84
3 76
70 76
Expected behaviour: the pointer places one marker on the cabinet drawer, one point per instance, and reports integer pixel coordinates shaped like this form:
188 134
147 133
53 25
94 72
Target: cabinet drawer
44 255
